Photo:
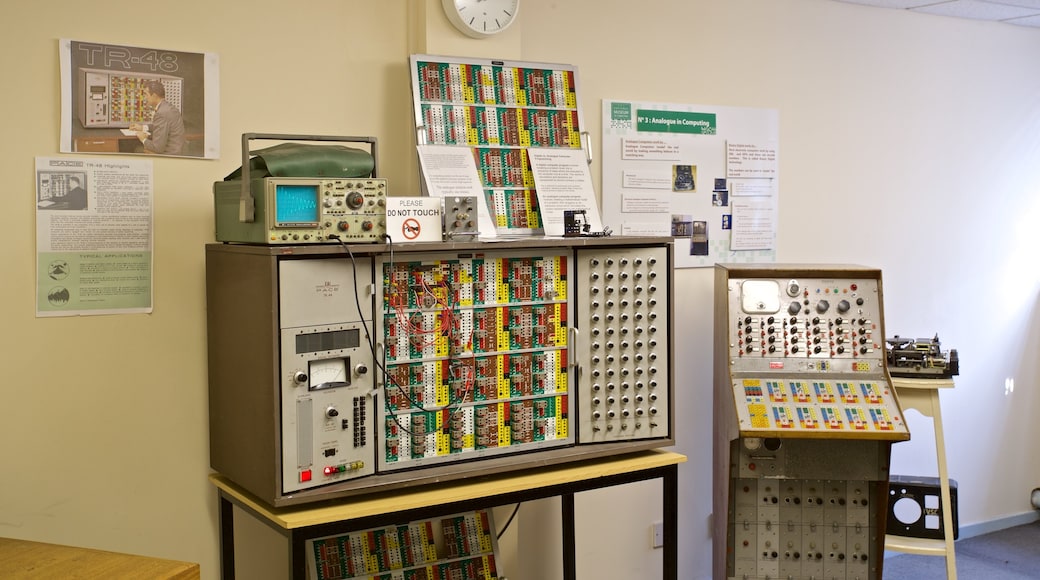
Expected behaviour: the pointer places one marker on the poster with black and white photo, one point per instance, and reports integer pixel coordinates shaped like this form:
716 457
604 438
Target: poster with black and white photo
93 236
131 100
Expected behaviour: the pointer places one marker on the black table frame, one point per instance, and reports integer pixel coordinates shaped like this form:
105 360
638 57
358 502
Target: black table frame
298 537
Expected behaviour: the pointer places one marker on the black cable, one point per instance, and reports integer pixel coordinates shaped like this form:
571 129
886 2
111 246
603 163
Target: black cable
509 521
371 338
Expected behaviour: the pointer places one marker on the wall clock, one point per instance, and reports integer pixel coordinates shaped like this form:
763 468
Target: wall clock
481 18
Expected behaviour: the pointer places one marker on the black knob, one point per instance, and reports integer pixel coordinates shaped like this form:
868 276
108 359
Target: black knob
355 200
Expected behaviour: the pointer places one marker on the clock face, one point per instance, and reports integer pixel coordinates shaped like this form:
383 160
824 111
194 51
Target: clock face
481 18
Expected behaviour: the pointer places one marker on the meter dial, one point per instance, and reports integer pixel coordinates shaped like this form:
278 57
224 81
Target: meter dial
328 374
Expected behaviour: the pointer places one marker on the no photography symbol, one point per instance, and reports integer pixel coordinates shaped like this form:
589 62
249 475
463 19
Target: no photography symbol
410 228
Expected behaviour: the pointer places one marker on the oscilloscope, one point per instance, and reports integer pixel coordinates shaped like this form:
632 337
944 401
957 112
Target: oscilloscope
296 210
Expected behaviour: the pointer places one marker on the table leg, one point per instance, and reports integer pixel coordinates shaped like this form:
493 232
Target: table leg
670 482
944 488
297 556
570 568
226 516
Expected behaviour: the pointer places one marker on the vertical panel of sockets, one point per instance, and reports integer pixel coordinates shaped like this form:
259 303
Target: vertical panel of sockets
436 124
623 352
508 86
801 528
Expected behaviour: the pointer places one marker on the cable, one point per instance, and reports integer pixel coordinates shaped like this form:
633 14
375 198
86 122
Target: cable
444 305
516 508
368 333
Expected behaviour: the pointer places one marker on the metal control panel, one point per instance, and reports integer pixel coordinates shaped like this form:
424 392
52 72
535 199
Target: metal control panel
354 209
805 415
807 355
327 371
342 370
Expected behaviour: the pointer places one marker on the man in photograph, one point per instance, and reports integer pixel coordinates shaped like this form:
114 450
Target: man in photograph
165 134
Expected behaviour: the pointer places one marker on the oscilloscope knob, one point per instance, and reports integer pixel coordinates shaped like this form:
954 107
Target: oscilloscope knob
299 377
355 200
366 225
342 226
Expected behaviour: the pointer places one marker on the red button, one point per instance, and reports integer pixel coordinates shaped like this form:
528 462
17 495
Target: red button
305 475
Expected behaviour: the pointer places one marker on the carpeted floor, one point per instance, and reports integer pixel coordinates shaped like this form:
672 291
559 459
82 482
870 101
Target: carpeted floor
1009 554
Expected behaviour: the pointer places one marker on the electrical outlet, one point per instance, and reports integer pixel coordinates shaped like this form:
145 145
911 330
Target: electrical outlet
657 535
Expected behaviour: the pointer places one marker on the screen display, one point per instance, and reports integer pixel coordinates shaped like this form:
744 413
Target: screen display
295 204
333 340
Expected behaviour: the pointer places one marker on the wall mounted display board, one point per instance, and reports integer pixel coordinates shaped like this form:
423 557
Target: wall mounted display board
707 175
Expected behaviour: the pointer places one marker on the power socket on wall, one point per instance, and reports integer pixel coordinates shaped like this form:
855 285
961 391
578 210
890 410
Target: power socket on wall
657 535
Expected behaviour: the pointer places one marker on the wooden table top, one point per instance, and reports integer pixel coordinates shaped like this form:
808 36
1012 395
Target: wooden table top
290 518
25 559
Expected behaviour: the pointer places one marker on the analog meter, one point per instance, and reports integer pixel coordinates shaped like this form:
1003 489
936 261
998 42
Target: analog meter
329 373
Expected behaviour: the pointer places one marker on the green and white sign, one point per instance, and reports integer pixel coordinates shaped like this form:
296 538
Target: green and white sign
675 122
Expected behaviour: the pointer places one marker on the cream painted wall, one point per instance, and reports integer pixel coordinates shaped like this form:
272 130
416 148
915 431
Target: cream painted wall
908 142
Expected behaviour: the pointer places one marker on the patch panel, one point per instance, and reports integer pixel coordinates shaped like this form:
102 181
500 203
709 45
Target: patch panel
462 546
801 529
625 347
496 372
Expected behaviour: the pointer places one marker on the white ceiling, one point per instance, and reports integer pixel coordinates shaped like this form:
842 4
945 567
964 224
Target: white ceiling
1020 12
